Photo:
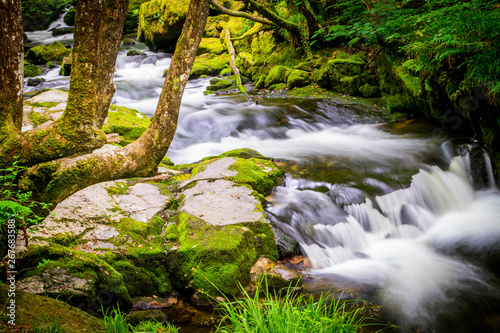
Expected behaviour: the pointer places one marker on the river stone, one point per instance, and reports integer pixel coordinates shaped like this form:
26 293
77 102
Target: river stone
221 202
276 275
217 169
54 280
142 201
153 303
54 95
136 317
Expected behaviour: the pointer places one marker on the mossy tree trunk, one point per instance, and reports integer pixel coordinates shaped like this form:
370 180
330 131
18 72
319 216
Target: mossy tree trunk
98 29
11 66
54 181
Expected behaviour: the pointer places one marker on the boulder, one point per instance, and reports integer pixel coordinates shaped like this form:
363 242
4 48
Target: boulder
298 78
35 82
210 45
40 55
277 74
209 64
61 31
131 53
276 276
160 23
127 42
32 70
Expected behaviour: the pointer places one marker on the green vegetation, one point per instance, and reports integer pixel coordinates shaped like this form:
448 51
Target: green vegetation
40 55
292 313
129 123
38 14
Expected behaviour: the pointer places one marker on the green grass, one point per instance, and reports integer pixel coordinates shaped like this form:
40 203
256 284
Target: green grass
293 314
116 322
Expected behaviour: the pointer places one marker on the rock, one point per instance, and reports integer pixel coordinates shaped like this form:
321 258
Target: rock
160 23
345 71
136 317
131 53
62 31
141 202
128 123
275 275
127 42
277 74
69 17
35 82
48 311
244 62
65 67
298 78
44 108
220 84
210 45
153 303
32 70
113 138
39 55
369 91
209 64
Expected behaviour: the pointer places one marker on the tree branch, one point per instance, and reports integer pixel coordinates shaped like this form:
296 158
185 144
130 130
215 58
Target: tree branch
249 16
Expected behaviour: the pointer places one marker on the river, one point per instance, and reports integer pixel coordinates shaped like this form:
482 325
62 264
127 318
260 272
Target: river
389 209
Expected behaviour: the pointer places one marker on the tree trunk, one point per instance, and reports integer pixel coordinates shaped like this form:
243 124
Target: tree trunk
113 14
11 67
56 180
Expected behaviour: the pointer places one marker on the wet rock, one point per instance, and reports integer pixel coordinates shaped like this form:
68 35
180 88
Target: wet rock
131 53
153 303
136 317
33 82
128 42
276 275
62 31
40 55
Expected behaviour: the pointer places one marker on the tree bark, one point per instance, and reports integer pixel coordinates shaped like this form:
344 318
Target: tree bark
113 14
249 16
56 180
11 67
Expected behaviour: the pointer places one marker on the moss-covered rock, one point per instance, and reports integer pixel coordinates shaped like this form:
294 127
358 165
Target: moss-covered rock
220 84
37 15
49 313
277 74
132 18
369 91
131 53
210 45
127 41
62 31
244 62
345 73
160 23
80 279
69 17
66 67
209 64
39 55
31 70
261 175
140 281
216 259
129 123
298 78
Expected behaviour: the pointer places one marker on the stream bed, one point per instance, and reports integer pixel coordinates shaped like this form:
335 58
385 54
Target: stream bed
394 210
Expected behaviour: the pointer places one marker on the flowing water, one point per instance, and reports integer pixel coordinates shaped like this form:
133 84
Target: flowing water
389 209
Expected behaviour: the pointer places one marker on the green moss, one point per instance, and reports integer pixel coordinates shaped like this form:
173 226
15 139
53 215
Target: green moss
369 91
214 259
277 86
49 311
210 45
37 119
277 74
129 123
312 90
69 17
244 62
220 84
261 175
209 64
42 105
131 53
31 70
39 55
160 22
97 273
397 103
120 189
142 282
298 78
412 83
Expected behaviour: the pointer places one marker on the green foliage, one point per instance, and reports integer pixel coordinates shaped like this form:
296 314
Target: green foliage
38 14
154 326
435 36
17 204
115 321
291 313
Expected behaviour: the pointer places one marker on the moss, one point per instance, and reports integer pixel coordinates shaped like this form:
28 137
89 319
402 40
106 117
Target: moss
214 259
220 84
277 74
69 17
65 67
129 123
298 78
39 55
160 22
261 175
244 62
312 90
140 281
412 83
105 283
210 45
369 91
49 311
121 188
131 53
397 103
31 70
277 86
209 64
37 119
42 104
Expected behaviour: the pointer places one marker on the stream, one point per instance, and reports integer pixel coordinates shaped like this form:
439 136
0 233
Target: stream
392 210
